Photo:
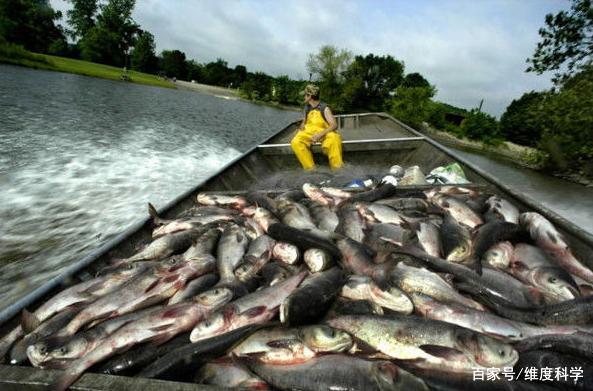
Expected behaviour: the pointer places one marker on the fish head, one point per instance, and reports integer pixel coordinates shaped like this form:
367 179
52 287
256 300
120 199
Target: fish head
202 261
499 256
386 374
57 352
486 351
38 353
461 252
215 297
555 285
213 325
321 338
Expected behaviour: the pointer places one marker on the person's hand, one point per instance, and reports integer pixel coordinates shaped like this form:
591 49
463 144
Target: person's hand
316 137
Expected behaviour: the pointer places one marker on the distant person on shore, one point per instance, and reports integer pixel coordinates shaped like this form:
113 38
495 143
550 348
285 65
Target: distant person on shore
319 125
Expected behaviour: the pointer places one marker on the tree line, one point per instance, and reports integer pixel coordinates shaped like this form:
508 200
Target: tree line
559 122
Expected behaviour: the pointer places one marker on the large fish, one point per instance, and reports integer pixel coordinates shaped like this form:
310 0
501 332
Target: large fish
456 240
164 246
236 202
579 344
499 256
428 343
194 288
264 218
412 279
258 254
144 290
552 242
429 238
257 307
205 244
84 292
323 216
363 288
59 352
338 372
158 327
318 260
379 213
311 300
351 224
301 238
229 373
493 232
503 208
231 248
325 196
458 209
482 321
292 345
190 356
356 260
530 265
165 227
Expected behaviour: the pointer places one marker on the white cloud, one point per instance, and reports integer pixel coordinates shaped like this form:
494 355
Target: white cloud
470 50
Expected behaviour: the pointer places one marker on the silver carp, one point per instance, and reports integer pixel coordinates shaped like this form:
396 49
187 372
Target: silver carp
363 288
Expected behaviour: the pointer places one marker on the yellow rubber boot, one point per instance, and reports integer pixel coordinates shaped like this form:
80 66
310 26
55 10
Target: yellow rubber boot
332 148
301 145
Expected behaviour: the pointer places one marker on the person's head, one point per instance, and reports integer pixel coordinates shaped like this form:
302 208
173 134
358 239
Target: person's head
311 92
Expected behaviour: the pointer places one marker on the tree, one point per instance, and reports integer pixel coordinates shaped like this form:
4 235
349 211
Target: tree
521 121
30 23
218 73
370 81
415 80
480 126
195 71
114 33
328 66
143 57
567 122
257 86
81 17
412 104
239 75
172 62
567 41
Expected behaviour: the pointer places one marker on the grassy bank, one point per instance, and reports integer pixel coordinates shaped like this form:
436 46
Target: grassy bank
16 56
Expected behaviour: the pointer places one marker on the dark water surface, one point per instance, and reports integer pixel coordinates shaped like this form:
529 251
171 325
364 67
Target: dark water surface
570 200
80 158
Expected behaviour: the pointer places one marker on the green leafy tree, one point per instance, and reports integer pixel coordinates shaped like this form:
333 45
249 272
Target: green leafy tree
81 17
30 23
481 126
415 80
370 81
195 71
567 121
239 75
108 42
328 67
521 121
567 41
172 62
218 73
143 57
257 86
412 104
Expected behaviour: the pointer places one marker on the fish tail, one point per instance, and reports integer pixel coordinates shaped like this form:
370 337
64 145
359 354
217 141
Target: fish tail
154 214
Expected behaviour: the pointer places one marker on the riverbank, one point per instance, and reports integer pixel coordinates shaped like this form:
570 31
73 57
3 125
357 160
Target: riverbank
229 93
79 67
518 155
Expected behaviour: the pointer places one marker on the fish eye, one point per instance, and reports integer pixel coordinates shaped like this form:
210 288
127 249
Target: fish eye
43 349
501 352
552 280
63 350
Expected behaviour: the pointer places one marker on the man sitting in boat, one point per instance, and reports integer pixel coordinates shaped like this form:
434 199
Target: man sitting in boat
319 125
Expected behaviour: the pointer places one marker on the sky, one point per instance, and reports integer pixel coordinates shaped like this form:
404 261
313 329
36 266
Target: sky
469 49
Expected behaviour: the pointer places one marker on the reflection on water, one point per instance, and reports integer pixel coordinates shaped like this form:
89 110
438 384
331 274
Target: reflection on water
570 200
81 157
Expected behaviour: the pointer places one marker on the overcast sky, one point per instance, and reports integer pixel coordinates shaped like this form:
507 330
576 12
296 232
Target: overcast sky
470 50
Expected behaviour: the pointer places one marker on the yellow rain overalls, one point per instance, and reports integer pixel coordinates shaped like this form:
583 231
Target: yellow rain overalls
331 144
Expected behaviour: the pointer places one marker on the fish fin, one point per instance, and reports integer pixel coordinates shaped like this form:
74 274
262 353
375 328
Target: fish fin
443 352
29 321
536 296
154 283
161 339
160 328
154 214
254 311
477 265
65 380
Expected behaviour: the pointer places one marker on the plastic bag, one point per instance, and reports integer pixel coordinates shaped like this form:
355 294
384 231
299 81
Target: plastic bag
453 173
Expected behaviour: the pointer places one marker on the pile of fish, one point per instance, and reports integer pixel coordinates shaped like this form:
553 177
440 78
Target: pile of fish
321 288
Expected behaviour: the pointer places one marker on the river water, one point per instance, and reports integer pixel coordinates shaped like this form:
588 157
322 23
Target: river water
80 158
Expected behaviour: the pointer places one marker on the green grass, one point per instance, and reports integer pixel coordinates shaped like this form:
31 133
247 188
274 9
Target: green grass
79 67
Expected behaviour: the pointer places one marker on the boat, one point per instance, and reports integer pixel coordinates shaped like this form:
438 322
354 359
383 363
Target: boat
372 142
